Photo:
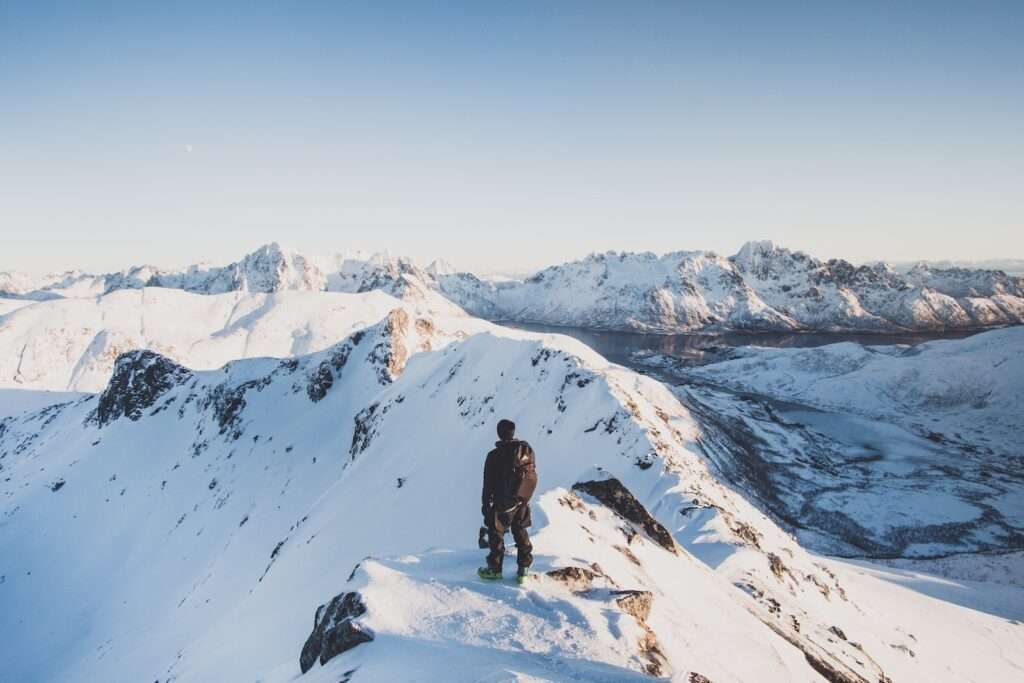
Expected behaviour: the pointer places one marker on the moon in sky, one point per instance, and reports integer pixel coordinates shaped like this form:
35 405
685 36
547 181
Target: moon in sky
188 148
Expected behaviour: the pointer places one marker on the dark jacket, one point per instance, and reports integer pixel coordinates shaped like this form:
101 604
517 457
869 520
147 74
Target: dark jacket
498 476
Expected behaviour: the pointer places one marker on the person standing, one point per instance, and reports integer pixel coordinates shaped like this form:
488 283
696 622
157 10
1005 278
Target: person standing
510 478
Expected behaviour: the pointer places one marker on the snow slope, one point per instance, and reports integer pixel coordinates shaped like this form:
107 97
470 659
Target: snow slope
966 390
208 513
872 451
71 344
8 305
15 401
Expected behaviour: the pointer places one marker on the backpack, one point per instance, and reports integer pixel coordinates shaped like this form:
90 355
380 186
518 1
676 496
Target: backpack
519 487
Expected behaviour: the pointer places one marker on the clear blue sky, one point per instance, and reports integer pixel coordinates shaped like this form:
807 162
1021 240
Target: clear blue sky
508 133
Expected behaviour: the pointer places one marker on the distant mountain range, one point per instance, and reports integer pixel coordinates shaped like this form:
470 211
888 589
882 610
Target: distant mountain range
763 287
1009 266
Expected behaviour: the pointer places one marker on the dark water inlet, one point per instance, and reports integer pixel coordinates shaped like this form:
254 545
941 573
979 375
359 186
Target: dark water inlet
619 347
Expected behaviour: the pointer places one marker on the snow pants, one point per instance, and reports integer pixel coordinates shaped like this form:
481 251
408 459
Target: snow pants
517 523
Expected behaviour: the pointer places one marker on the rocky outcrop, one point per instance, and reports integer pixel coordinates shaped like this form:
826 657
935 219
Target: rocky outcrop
576 579
636 603
139 379
322 377
391 351
335 630
613 495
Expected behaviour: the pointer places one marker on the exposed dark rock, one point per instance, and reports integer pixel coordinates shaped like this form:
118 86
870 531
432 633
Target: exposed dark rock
697 678
320 382
390 354
636 603
776 565
363 432
838 632
628 553
748 534
576 578
57 485
644 462
651 649
229 402
614 495
322 378
830 672
572 501
139 379
335 630
821 660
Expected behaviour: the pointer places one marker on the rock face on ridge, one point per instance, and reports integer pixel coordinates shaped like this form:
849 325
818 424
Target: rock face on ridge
139 379
335 630
617 497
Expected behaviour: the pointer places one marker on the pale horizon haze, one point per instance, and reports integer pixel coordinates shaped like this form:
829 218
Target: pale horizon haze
508 136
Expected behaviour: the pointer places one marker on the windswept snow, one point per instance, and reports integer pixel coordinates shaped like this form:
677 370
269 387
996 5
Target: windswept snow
8 305
872 451
208 513
968 390
282 431
71 344
16 401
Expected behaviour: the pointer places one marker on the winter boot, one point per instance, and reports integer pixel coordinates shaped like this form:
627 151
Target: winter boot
489 574
523 575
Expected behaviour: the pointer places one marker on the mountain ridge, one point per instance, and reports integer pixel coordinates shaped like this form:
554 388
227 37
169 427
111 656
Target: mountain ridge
247 494
763 287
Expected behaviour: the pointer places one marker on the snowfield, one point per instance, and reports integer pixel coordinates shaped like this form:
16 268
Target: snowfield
71 344
871 451
968 390
208 513
8 305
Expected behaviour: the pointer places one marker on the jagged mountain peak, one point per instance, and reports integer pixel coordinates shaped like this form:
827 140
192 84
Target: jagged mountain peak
763 258
753 249
439 267
763 287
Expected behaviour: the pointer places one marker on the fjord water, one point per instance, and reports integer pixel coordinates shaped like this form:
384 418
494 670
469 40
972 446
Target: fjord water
697 349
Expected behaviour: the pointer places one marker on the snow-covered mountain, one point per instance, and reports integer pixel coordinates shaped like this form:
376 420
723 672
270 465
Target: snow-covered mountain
1010 266
268 269
762 287
877 451
185 525
71 344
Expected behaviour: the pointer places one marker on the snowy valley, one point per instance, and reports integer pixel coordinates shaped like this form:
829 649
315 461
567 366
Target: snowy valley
270 471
